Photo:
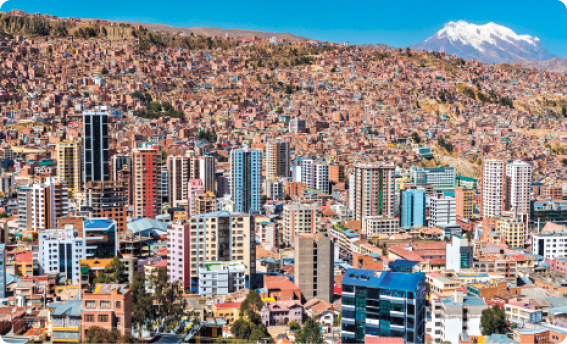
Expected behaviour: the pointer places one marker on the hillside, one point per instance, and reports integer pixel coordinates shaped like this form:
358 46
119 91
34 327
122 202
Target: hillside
557 65
209 31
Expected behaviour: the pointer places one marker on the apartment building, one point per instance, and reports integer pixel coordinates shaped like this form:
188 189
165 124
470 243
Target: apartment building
442 210
383 304
49 201
492 187
374 226
108 199
204 168
373 190
221 278
513 230
412 207
178 173
464 199
277 159
146 182
455 315
298 218
221 237
69 171
108 306
314 266
60 252
315 175
246 179
178 252
550 244
101 239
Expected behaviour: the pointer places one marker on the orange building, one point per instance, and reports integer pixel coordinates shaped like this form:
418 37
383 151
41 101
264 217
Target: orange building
108 306
337 173
465 201
366 261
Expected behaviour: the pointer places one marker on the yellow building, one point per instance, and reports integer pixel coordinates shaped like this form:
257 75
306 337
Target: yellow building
227 311
69 165
441 285
513 230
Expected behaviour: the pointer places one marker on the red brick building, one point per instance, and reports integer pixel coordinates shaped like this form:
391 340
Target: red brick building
108 306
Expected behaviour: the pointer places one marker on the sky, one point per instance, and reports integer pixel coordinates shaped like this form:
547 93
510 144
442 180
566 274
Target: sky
393 22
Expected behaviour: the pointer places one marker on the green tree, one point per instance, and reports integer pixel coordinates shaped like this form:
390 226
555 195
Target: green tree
310 333
252 302
142 312
493 321
163 155
264 199
415 137
97 334
104 71
169 300
3 215
294 325
113 273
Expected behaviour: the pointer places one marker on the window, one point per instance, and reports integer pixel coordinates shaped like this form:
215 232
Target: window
118 304
104 304
118 320
103 318
89 318
90 304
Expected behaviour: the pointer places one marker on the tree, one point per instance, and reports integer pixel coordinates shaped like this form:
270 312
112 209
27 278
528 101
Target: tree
252 302
294 325
564 111
163 155
264 199
473 142
415 137
169 300
3 215
310 333
113 273
142 312
104 71
493 321
98 335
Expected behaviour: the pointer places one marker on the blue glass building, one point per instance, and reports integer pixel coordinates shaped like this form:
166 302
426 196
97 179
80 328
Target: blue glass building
246 179
412 208
100 238
383 304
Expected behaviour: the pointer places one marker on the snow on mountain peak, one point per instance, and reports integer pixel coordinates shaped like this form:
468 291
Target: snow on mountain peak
479 35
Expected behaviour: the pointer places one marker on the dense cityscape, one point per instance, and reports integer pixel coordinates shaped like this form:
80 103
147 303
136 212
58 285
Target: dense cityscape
164 187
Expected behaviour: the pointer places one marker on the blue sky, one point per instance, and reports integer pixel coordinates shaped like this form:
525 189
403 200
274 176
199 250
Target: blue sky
393 22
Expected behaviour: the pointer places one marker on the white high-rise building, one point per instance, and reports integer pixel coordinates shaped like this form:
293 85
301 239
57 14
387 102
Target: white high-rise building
518 184
60 252
178 174
203 167
315 175
492 187
442 210
221 278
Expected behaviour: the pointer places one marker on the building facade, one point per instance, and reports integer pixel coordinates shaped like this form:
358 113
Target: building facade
60 252
412 208
277 159
178 174
246 179
314 266
298 218
96 151
69 170
221 278
438 177
383 304
374 190
146 182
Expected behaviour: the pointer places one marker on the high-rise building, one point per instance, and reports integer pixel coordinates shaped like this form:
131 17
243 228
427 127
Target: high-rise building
277 159
119 163
298 218
513 229
61 253
195 186
518 185
412 208
492 182
274 189
337 173
203 167
246 179
442 210
465 202
96 151
100 237
69 169
315 175
314 266
459 254
220 237
374 226
49 202
374 190
178 250
108 199
2 271
25 209
383 304
438 177
178 174
146 182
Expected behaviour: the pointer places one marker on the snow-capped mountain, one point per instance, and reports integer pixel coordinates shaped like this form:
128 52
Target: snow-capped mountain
489 43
